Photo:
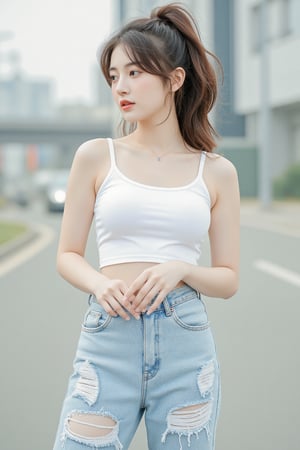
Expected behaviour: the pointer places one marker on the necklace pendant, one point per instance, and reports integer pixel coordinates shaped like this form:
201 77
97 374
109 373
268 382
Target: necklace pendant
158 158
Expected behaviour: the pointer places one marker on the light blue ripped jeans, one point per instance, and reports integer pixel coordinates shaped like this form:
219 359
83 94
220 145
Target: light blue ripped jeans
163 365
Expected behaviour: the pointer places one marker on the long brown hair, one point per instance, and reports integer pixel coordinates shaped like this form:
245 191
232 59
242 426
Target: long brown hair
169 38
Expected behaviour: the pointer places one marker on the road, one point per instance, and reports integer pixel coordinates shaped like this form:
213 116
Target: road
257 335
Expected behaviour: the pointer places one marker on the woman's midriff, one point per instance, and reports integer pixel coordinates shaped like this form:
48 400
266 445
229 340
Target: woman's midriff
128 272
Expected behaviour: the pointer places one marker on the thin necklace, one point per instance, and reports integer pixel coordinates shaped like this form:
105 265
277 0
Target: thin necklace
158 157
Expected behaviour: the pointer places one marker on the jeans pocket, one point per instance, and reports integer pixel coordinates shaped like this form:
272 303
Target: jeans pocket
96 318
191 315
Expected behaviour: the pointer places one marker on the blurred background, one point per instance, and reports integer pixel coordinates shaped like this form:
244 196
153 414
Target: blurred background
53 97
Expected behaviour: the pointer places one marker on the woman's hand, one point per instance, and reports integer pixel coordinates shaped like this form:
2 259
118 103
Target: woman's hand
159 280
110 295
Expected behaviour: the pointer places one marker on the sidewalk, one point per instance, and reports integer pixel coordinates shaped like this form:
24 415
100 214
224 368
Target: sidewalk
282 217
19 250
14 245
13 213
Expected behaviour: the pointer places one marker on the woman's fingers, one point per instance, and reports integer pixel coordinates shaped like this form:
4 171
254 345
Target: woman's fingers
136 286
145 298
152 285
114 308
145 288
112 300
159 299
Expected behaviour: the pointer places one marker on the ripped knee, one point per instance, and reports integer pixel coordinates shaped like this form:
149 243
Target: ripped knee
90 426
93 429
188 420
192 419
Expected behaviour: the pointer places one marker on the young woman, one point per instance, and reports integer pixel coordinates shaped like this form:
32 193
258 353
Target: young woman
146 346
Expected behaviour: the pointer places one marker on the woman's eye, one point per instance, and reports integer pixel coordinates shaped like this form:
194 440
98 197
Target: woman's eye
113 78
134 73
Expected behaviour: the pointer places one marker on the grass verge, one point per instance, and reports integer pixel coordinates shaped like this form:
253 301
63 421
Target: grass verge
10 231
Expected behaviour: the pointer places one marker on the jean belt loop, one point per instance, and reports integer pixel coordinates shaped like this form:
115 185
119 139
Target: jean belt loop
198 294
166 305
90 299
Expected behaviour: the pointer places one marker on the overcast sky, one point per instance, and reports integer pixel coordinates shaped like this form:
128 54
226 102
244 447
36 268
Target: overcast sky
56 39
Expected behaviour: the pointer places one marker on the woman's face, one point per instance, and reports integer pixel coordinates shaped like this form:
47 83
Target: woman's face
139 95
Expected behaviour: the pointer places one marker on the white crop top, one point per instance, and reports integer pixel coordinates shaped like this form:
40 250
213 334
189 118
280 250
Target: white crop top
139 222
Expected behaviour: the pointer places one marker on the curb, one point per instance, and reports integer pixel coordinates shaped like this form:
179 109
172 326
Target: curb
18 243
282 217
22 249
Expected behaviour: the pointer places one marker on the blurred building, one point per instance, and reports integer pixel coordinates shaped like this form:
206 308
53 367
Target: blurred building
103 97
25 98
283 31
22 99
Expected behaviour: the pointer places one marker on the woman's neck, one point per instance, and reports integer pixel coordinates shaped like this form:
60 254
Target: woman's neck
165 136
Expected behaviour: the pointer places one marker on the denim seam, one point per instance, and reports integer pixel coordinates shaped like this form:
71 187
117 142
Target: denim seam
152 373
99 328
153 369
183 298
144 382
201 327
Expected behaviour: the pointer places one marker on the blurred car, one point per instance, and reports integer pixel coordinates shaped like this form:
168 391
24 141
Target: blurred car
18 190
56 192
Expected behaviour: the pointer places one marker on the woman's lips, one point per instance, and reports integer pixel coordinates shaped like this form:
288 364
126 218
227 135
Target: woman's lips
126 105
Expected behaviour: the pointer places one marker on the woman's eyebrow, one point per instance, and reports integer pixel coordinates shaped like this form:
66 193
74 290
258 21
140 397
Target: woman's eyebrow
132 63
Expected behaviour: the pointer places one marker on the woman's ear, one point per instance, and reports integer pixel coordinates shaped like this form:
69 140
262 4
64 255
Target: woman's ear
177 78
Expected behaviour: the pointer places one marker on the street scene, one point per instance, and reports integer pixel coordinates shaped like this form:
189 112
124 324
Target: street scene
53 98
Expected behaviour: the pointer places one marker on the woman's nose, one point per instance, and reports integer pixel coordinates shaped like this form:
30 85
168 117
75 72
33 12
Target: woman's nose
122 87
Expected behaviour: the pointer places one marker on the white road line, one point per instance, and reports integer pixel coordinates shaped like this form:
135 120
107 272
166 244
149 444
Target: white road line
278 272
46 235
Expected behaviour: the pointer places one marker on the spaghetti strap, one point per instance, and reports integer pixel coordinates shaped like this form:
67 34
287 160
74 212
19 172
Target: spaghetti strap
202 162
111 151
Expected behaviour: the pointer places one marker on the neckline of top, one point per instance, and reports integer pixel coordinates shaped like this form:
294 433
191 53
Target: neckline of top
150 186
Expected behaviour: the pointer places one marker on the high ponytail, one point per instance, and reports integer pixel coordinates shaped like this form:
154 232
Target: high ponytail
170 39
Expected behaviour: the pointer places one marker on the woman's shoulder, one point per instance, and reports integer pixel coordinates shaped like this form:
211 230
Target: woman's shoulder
93 150
220 176
220 167
91 161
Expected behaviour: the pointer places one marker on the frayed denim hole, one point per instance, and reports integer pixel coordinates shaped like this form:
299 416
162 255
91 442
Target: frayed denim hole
87 385
189 421
206 378
94 429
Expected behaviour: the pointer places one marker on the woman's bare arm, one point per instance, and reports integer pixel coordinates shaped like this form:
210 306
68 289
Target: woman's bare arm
90 166
221 279
78 216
